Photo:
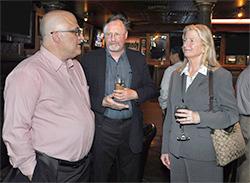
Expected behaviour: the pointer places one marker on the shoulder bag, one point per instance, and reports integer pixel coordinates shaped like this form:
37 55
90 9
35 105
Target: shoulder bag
228 143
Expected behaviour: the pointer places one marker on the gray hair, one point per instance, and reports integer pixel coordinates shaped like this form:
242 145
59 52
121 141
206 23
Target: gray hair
120 17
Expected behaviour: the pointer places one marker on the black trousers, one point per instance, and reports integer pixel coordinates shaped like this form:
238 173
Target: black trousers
50 169
111 147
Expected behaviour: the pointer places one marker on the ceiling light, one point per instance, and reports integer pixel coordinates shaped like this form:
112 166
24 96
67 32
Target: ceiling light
240 12
240 15
85 16
240 3
230 21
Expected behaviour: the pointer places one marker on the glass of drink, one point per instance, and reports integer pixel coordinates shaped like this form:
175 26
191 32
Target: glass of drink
119 84
183 136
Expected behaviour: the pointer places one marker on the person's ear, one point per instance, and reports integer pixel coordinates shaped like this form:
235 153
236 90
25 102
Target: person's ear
56 37
102 35
126 35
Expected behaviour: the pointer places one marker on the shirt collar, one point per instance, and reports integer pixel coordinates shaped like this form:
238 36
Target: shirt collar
54 61
203 70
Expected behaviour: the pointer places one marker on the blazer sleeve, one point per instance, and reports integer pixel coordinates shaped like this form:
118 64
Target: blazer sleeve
145 88
225 111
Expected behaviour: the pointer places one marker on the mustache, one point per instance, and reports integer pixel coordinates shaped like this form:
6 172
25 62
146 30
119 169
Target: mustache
82 42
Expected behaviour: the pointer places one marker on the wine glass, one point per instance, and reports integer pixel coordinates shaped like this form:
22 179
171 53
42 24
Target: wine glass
183 137
119 84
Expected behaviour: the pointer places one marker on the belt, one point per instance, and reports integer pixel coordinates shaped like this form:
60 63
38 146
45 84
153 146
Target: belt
117 122
72 163
124 119
65 162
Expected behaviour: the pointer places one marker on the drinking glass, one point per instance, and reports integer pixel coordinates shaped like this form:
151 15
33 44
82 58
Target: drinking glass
183 136
119 84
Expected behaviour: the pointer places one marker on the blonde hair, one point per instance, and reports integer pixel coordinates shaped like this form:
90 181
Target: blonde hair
209 56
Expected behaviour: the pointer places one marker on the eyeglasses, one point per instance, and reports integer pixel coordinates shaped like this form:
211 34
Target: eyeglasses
78 31
115 35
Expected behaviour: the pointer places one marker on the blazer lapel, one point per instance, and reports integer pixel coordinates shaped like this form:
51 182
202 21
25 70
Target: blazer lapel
132 65
199 80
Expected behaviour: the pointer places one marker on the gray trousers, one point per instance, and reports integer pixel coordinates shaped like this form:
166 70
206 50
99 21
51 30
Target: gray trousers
186 170
243 172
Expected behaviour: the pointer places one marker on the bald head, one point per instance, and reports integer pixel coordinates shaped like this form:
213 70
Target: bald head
56 20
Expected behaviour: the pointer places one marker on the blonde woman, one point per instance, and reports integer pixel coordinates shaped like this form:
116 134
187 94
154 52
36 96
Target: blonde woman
187 148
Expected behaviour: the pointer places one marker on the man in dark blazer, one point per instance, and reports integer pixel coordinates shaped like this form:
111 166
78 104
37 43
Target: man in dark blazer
119 121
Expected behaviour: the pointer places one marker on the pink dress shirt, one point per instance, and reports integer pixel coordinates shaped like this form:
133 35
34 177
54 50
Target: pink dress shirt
47 108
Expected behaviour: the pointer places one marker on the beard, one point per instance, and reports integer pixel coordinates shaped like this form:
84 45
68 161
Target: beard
115 47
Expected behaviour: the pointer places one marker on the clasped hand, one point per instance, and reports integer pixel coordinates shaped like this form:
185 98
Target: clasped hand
186 116
115 100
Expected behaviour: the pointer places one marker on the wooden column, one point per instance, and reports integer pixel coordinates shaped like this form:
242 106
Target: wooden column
148 46
168 49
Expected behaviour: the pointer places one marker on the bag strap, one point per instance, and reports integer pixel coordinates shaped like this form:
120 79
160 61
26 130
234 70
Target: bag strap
211 92
183 89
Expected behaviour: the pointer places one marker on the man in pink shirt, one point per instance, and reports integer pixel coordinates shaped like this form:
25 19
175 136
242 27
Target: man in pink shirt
49 126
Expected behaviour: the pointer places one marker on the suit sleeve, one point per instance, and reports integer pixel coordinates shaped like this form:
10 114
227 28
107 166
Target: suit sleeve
146 89
164 88
243 92
225 112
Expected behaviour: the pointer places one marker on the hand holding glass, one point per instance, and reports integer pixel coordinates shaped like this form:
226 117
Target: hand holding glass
183 137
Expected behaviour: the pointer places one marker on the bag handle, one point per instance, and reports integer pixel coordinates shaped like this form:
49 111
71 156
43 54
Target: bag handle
211 92
182 88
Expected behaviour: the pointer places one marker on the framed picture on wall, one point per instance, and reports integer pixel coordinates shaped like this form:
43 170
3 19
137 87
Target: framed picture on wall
230 59
87 34
143 45
133 46
241 59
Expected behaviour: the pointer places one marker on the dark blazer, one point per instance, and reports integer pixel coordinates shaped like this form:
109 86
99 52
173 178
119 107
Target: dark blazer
224 114
94 65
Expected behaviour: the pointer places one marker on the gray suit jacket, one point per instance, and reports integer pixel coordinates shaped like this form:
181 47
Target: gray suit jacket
224 114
